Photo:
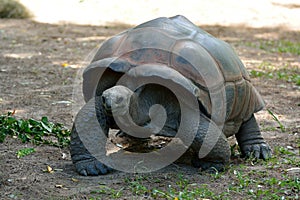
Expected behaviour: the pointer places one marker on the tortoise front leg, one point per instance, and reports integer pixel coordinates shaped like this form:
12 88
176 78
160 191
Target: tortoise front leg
251 141
209 136
84 162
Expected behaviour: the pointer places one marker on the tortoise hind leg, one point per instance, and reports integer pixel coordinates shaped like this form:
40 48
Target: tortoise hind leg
209 136
251 141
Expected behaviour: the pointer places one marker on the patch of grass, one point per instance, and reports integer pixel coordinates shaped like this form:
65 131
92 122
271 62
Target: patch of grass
276 46
249 184
280 46
283 151
244 181
24 152
34 131
286 73
13 9
181 189
136 186
104 190
261 185
287 157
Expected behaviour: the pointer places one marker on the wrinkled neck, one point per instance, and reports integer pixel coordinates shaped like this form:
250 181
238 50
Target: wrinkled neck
134 107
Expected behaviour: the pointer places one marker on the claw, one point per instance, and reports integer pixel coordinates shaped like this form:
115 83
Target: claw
257 151
208 166
102 168
83 172
91 167
266 152
91 170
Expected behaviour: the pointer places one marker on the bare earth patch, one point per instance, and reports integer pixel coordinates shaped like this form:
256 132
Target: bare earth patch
38 64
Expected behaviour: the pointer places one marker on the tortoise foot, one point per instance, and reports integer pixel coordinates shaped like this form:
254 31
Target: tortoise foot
208 166
251 141
91 167
256 151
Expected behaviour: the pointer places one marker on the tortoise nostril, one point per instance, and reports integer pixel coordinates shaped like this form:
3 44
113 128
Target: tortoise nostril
103 100
107 103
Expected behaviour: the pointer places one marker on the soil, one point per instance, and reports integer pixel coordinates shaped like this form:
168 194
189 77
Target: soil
38 66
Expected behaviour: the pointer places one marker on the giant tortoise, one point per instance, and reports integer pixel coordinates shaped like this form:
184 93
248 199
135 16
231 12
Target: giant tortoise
172 54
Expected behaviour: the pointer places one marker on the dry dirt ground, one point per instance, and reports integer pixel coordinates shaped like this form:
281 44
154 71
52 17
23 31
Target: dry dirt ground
35 84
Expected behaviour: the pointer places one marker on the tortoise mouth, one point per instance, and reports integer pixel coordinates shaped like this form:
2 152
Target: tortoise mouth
107 110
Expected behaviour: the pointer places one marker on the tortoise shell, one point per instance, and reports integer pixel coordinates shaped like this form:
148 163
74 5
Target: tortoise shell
189 56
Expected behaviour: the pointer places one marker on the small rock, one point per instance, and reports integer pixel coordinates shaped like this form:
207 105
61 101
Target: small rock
64 156
290 147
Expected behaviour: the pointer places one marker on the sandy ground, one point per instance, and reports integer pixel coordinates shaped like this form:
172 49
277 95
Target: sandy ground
254 13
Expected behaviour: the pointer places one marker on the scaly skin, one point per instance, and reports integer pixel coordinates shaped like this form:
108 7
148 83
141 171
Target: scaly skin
84 162
251 141
219 155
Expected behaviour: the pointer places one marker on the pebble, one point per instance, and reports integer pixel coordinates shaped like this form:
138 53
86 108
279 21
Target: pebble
290 147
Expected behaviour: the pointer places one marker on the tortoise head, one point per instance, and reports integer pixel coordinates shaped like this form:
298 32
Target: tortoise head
116 100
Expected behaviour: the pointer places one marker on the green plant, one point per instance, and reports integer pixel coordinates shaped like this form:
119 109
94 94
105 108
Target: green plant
277 46
13 9
104 190
263 185
24 152
34 131
280 46
180 189
286 72
136 186
239 181
281 126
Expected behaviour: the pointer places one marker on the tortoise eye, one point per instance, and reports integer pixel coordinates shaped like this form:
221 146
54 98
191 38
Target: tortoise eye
119 100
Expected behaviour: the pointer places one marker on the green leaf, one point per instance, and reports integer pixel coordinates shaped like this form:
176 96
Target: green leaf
2 136
281 126
34 131
25 152
49 130
33 122
45 120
